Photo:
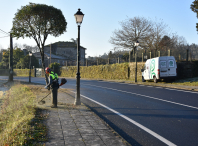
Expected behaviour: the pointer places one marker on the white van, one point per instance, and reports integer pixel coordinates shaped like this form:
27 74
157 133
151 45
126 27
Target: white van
164 67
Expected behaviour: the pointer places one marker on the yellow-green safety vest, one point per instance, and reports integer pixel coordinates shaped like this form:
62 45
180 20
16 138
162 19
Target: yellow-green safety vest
53 75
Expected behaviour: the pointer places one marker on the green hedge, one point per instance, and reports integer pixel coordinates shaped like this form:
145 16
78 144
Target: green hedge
113 71
123 71
17 72
132 70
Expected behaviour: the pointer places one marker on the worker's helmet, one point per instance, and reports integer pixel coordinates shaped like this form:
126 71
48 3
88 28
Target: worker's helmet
47 70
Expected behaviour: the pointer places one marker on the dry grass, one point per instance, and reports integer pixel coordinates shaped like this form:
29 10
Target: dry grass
187 82
20 120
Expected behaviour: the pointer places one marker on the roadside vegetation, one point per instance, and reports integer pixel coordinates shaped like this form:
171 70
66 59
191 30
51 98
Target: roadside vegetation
187 82
182 82
21 122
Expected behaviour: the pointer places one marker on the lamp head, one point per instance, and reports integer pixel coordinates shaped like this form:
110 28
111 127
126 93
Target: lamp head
137 43
79 17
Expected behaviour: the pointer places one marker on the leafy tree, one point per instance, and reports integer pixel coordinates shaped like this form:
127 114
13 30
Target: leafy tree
110 54
165 42
37 21
194 8
5 59
25 62
17 55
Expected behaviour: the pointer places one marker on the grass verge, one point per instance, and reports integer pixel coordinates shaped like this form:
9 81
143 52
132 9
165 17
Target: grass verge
21 122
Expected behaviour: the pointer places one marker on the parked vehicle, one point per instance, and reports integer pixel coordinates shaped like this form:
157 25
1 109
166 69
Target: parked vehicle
164 67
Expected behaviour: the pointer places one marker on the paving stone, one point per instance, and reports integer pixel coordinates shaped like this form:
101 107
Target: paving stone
113 142
56 135
74 143
53 119
80 120
55 142
66 122
50 123
85 132
69 127
93 140
105 132
71 132
83 126
96 143
99 127
66 118
73 138
90 137
54 127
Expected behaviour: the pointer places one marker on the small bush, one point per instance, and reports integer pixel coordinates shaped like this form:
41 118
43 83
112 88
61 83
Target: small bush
55 67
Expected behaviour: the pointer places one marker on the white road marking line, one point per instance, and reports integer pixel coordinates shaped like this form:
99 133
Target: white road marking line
194 92
145 96
152 86
187 91
170 89
159 87
133 122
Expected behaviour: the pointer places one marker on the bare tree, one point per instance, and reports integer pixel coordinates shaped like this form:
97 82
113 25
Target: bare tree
159 30
132 29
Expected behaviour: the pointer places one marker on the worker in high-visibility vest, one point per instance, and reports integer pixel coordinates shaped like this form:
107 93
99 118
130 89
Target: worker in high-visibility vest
53 85
53 79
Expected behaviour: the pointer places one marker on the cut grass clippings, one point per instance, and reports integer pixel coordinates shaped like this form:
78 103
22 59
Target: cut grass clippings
21 123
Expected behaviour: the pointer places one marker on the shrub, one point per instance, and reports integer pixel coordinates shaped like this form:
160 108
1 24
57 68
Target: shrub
55 67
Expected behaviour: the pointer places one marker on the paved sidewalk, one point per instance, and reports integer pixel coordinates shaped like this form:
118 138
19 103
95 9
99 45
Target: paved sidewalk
77 125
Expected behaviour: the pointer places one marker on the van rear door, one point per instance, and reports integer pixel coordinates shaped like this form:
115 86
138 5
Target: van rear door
163 67
171 67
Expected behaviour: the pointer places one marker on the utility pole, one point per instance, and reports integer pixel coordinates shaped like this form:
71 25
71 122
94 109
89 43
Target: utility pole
11 60
50 53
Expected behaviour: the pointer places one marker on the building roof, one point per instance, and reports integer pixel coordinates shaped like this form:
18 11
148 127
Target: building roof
65 44
37 54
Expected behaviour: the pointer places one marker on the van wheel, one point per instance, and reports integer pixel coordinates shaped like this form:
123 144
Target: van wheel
155 79
143 80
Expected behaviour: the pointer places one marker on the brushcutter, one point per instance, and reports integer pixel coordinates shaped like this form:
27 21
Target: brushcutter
63 81
41 101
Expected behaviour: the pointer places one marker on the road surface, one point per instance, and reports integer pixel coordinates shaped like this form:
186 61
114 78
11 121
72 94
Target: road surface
142 115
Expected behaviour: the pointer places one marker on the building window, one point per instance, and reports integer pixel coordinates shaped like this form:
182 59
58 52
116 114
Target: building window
40 61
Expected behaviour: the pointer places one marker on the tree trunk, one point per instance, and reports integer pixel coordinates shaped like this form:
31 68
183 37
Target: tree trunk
43 64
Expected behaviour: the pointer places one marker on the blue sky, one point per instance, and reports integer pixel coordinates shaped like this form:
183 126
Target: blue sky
102 17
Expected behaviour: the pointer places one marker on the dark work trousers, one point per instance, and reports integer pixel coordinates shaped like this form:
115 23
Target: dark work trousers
54 97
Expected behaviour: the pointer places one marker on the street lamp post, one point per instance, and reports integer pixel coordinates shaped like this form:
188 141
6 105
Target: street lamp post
30 54
136 45
79 18
48 60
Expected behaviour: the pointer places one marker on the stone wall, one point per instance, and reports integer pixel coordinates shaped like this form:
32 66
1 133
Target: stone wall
132 70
